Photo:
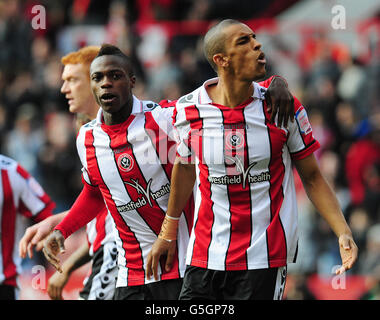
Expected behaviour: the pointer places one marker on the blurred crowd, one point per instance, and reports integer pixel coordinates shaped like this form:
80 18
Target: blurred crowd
340 91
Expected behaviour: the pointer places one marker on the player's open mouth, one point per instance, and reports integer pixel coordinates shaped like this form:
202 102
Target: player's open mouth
108 97
261 58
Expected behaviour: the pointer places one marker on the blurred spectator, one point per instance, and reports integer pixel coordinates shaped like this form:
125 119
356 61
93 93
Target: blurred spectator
359 222
15 38
3 127
350 87
298 289
320 131
370 259
374 292
117 29
25 140
41 50
58 160
163 75
362 163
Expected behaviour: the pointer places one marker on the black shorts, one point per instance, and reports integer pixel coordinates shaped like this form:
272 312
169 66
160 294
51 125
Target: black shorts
160 290
8 292
100 285
258 284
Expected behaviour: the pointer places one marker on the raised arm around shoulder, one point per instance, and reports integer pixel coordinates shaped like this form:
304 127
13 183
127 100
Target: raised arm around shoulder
279 100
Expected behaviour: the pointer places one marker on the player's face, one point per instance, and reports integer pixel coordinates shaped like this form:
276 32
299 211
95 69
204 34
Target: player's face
246 60
77 90
111 83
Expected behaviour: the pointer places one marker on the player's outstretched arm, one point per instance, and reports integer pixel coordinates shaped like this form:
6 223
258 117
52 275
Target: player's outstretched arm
182 183
34 234
326 203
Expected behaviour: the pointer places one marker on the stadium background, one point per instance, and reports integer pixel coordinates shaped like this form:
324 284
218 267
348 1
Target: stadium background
334 71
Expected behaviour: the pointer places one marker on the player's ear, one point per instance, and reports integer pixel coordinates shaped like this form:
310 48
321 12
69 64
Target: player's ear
220 60
132 80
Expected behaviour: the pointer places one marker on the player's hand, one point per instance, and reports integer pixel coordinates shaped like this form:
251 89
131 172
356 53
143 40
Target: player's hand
160 248
33 237
54 245
56 284
280 101
348 252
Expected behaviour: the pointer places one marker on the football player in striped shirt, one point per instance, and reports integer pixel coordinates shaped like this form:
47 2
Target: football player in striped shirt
245 221
125 164
20 195
100 246
113 150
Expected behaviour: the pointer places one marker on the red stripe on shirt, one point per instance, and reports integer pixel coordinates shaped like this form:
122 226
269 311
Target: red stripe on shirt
166 151
8 225
239 194
49 204
169 155
151 212
133 253
165 148
203 226
22 172
276 240
100 229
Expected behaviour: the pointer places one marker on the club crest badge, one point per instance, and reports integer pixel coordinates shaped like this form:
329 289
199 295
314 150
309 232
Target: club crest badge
235 140
125 162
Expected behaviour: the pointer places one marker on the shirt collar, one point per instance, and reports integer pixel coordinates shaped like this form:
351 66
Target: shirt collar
137 107
258 91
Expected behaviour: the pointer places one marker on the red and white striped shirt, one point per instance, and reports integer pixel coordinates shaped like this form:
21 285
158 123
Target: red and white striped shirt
131 165
20 196
242 220
99 231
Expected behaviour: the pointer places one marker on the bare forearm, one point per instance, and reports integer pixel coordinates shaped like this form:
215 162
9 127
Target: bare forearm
77 259
182 183
326 203
322 196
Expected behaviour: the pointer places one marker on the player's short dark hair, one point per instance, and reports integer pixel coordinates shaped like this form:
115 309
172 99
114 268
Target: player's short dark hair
214 40
111 50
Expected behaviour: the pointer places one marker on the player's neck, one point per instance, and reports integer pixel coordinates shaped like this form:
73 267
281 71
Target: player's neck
120 116
93 113
230 93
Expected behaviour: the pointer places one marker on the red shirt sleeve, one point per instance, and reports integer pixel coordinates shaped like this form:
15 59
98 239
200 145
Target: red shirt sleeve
86 207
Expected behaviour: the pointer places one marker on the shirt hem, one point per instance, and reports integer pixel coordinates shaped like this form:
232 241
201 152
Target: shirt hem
241 266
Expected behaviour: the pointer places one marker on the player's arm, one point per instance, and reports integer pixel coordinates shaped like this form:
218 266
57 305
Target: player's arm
85 208
58 280
279 100
182 183
326 203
